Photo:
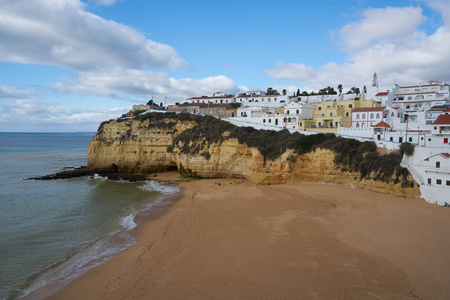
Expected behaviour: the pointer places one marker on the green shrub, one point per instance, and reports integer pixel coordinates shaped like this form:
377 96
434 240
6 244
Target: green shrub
407 148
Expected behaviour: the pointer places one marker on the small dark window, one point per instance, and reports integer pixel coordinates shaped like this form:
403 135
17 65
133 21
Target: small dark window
438 164
438 181
264 120
320 108
429 181
447 182
391 139
410 139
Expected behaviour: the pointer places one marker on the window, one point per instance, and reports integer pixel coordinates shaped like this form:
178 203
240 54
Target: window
410 139
429 181
331 114
357 125
297 111
346 114
378 115
276 121
357 116
363 116
270 120
274 99
391 139
445 140
438 164
287 112
264 120
350 105
301 124
439 181
447 182
372 116
320 108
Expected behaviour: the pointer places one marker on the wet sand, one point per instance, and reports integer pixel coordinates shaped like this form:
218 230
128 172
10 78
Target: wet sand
299 241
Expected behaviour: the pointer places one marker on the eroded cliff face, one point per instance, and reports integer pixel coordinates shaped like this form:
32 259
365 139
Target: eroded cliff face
139 147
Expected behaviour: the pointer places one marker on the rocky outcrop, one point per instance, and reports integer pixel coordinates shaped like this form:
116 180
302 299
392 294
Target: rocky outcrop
141 147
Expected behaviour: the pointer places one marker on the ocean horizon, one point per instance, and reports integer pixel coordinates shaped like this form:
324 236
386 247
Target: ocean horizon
53 231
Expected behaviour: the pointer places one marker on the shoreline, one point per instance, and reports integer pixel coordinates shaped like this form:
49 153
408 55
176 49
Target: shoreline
157 210
288 241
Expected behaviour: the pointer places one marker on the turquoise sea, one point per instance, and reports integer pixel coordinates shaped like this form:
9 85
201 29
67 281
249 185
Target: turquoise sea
52 231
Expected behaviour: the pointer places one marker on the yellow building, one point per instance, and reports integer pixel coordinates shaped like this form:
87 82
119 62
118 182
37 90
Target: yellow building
328 116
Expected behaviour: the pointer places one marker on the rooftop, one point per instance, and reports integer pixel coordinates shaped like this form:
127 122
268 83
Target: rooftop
443 119
366 109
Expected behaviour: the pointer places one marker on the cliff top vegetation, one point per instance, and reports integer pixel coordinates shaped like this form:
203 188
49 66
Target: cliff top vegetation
350 154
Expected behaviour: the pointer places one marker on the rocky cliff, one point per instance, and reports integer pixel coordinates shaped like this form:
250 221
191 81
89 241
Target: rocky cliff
153 144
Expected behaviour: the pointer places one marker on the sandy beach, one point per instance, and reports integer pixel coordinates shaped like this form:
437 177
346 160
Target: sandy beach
299 241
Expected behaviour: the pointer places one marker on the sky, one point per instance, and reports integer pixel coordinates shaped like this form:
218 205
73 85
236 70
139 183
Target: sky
68 65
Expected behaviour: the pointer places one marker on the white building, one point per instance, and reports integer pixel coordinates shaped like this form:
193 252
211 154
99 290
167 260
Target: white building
262 100
288 117
430 168
217 98
367 117
422 97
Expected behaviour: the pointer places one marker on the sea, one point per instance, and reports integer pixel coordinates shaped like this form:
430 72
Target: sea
52 231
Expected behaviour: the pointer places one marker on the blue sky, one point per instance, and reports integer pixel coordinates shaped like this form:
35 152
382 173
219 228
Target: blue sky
67 65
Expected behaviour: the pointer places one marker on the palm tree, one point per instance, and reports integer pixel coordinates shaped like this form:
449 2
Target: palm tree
284 92
340 89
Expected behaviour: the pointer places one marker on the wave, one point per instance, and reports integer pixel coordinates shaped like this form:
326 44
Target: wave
101 250
165 189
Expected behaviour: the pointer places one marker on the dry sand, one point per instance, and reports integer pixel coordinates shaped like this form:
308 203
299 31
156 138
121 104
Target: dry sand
299 241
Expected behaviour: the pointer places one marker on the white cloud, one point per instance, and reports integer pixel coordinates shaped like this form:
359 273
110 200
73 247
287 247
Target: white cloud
142 83
36 115
380 43
7 92
380 24
63 33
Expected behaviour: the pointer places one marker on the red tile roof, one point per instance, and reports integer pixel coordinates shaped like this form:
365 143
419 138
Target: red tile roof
446 110
366 109
443 119
413 86
444 155
415 93
382 124
382 94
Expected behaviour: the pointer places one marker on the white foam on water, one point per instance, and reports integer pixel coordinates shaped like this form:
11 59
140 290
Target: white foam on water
91 256
100 251
155 186
128 222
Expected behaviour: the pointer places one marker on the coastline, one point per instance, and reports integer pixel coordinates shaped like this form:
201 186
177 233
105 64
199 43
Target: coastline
154 211
236 240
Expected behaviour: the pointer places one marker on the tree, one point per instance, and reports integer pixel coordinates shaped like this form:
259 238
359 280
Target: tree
340 89
269 91
364 90
298 92
284 92
161 104
357 91
150 102
304 93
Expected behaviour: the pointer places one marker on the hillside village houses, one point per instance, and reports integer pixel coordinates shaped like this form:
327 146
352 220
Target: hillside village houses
389 115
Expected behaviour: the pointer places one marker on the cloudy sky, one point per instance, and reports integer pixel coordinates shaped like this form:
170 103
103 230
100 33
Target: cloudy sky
67 65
